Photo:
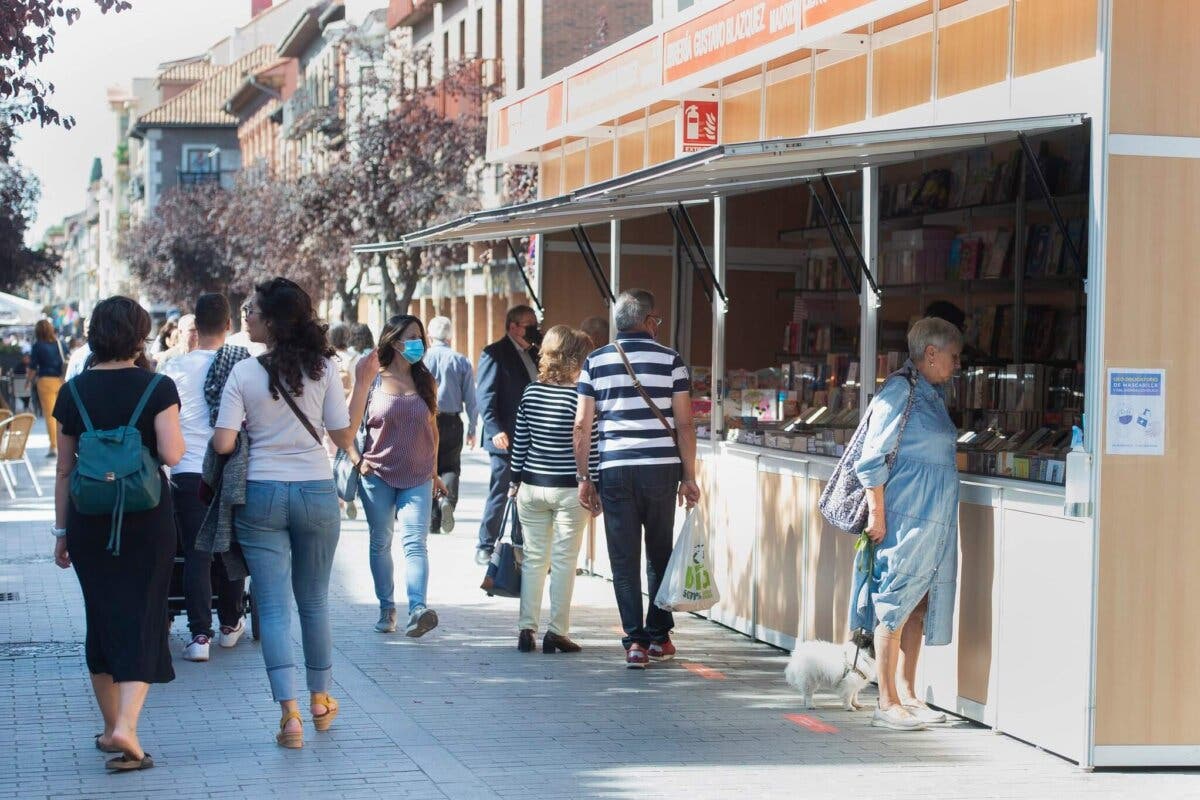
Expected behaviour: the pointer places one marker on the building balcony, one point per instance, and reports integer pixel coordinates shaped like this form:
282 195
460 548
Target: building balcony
407 12
198 178
307 109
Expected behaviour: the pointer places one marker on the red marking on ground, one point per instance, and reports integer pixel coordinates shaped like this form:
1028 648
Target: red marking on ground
703 671
811 723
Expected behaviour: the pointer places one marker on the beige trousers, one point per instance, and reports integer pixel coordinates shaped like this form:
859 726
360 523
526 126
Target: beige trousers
47 389
553 523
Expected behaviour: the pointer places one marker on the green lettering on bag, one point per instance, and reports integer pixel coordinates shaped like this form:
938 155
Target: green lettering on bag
114 472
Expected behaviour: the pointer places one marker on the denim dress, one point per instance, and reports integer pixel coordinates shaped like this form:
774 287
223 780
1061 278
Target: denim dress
919 553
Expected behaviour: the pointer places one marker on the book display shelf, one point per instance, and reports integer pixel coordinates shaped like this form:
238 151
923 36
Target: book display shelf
968 236
972 238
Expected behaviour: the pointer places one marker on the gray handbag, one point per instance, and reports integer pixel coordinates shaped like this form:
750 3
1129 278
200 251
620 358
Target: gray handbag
346 477
844 501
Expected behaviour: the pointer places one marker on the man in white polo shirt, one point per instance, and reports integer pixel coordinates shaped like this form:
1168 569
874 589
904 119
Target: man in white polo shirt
647 461
196 380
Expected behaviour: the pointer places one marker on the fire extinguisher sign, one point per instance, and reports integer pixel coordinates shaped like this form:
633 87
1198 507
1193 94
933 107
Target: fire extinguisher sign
699 125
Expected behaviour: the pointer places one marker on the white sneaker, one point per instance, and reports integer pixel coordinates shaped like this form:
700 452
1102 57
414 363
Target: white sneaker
930 716
483 557
421 622
896 718
228 636
447 511
197 650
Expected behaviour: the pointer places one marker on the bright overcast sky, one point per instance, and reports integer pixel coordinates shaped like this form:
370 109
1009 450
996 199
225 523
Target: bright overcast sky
98 51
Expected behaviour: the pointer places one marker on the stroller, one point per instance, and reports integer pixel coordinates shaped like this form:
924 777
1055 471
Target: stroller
175 601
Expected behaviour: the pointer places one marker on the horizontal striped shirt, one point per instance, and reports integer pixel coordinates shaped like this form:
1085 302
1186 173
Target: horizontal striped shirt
543 451
630 433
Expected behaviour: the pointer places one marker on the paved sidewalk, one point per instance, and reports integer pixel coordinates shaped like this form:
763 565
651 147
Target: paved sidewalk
461 714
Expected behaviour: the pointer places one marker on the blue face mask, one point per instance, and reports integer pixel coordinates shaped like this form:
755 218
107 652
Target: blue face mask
413 350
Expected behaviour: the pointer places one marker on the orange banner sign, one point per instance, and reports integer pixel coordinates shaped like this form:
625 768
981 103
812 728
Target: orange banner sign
526 119
818 11
623 75
723 33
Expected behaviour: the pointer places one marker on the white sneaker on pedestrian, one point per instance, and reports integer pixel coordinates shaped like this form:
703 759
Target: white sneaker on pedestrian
421 622
482 557
197 650
930 716
228 637
447 510
896 718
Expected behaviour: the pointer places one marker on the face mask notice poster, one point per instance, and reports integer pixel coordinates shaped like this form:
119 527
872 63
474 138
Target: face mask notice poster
1135 412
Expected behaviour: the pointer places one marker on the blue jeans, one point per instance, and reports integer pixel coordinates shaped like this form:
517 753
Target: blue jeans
288 531
385 504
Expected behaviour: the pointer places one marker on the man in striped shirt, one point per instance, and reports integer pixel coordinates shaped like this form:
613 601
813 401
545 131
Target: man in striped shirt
647 461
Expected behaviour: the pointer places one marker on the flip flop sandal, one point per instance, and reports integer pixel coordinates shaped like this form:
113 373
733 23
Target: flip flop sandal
323 721
127 764
111 748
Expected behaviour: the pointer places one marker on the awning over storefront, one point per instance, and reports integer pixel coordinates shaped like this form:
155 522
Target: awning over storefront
722 171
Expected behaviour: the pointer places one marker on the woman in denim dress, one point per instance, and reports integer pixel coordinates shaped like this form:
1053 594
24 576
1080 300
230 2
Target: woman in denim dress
913 522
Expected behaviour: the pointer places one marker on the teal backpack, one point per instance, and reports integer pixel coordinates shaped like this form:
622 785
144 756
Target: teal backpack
114 472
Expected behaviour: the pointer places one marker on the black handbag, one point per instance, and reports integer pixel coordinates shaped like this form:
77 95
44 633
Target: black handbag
503 576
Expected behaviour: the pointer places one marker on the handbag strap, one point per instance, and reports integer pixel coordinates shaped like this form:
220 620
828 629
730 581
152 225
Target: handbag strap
910 376
287 397
637 384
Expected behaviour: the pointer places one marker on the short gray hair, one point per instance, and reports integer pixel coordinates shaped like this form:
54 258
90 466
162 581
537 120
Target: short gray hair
633 306
439 328
931 331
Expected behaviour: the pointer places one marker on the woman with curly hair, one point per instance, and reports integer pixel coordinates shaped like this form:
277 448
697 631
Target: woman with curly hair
546 488
397 395
288 529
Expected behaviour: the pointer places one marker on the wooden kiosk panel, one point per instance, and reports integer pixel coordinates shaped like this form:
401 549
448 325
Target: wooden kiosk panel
830 572
787 108
733 538
1050 33
662 143
631 152
783 501
1155 62
600 161
574 170
741 117
902 75
841 93
973 53
1145 658
977 593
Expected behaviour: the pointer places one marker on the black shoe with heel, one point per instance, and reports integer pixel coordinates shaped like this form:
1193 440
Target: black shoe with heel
525 641
552 642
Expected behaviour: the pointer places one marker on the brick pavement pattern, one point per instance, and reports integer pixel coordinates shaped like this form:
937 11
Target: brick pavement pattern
461 714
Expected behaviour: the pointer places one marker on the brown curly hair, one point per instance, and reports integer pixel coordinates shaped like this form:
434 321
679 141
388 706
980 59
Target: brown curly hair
563 350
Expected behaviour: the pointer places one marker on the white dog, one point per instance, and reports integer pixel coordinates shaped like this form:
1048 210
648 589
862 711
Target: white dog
821 666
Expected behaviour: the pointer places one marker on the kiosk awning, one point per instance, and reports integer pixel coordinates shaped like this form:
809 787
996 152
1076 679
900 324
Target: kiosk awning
723 170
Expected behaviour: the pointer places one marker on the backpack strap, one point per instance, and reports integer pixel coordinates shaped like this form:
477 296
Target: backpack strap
141 406
87 421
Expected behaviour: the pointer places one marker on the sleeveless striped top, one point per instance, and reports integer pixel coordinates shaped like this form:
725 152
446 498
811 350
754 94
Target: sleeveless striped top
400 439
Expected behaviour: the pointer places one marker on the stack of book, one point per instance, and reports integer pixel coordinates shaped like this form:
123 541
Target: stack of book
1046 253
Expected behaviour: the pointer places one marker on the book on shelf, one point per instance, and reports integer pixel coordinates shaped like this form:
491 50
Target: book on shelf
997 258
979 177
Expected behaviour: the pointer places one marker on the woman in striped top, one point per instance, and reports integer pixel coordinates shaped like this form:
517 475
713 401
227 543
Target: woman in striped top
397 396
546 488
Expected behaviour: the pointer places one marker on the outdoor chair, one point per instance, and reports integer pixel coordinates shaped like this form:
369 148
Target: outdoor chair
14 436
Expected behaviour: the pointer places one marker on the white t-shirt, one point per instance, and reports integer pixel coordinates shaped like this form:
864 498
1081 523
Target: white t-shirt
189 371
281 448
77 360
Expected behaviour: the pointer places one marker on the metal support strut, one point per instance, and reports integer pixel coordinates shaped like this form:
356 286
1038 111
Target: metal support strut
593 264
690 238
837 245
524 276
1040 177
845 224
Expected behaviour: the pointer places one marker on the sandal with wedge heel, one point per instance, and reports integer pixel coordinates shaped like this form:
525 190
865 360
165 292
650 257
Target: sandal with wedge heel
293 740
322 721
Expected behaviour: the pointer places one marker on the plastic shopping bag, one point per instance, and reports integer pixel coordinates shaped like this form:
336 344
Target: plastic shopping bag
688 584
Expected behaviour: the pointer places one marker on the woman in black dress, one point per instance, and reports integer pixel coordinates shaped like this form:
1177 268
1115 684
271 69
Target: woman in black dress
125 595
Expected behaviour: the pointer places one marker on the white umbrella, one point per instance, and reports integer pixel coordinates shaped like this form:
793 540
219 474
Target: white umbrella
18 311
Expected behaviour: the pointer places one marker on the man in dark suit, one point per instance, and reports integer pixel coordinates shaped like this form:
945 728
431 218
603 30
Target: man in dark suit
506 367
